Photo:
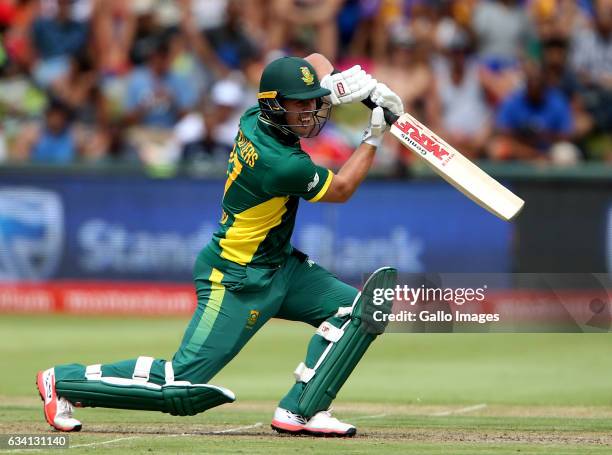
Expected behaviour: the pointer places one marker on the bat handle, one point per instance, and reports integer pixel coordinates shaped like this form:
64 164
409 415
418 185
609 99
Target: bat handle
390 117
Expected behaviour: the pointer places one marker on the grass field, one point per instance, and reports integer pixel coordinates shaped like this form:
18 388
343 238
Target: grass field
412 394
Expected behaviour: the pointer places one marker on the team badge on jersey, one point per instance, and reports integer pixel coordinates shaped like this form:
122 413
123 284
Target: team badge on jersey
253 316
307 76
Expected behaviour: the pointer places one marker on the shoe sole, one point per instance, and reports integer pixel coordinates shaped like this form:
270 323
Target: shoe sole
331 434
286 428
39 388
319 434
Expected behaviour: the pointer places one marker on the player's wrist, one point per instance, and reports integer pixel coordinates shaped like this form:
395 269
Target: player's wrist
374 141
374 133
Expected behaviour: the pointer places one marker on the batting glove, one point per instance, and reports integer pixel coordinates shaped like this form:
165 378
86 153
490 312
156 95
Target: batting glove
374 133
385 97
349 86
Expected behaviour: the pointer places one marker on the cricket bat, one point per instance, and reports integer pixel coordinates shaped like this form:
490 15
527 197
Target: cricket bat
452 166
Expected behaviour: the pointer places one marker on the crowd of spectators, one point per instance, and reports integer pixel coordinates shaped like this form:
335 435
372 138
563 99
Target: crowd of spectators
161 82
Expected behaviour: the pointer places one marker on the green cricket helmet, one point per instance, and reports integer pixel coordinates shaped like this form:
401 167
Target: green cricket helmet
292 78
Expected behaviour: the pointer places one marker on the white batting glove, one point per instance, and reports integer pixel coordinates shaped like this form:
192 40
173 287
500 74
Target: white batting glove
385 97
374 133
349 86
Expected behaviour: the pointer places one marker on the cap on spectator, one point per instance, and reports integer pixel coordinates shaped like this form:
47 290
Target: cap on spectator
227 92
452 38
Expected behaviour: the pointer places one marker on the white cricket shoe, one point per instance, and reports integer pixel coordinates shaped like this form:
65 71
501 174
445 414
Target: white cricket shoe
287 422
323 424
58 411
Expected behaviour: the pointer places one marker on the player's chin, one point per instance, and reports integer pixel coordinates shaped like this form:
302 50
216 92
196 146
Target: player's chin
307 130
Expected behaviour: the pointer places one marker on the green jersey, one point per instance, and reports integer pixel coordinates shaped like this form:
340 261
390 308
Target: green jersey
267 175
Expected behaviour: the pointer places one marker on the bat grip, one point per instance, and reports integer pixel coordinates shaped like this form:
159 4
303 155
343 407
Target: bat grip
390 117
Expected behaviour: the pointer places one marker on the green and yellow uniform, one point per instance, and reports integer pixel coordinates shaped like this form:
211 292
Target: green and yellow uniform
267 175
249 272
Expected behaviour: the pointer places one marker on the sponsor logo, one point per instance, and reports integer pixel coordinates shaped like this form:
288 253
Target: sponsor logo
353 255
314 182
48 384
307 76
253 316
422 142
340 89
31 233
106 247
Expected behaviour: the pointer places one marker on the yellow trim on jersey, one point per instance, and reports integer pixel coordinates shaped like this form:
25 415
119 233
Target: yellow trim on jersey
250 228
323 190
265 95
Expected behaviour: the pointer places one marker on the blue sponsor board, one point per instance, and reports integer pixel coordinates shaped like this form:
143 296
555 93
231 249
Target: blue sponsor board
135 228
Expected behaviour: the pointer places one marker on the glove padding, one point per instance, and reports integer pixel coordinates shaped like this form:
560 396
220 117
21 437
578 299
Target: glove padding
349 86
374 133
385 97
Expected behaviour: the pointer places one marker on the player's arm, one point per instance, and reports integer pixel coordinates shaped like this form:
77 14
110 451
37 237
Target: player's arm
321 64
351 174
354 171
349 86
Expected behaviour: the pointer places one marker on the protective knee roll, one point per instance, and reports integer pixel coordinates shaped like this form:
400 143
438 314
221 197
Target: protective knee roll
347 345
174 397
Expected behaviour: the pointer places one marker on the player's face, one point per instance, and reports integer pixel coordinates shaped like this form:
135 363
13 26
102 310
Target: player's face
299 116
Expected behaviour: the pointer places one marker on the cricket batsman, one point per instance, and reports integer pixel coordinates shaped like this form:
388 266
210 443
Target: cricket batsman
249 272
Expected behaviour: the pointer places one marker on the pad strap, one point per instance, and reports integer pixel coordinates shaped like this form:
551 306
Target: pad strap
169 372
347 310
142 369
344 311
93 372
303 374
330 332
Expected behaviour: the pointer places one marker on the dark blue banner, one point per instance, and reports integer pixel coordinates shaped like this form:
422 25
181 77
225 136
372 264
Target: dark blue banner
135 228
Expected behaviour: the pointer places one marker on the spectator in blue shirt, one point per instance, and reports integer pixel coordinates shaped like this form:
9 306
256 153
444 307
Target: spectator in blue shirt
532 119
156 96
55 40
54 141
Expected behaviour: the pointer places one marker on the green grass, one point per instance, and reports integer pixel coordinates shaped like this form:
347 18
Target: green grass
544 393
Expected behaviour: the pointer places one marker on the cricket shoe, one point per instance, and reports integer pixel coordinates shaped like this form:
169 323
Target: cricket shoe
288 422
321 424
58 411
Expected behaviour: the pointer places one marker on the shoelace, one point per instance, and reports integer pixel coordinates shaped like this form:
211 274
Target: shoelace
64 408
297 417
328 413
